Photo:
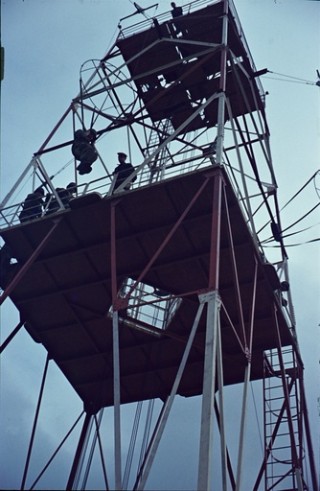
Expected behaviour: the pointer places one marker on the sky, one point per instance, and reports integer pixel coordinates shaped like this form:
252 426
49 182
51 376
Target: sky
45 43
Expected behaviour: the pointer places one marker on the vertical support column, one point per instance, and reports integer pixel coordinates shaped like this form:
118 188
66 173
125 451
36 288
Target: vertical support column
163 417
213 311
223 446
79 452
116 355
116 401
209 381
223 83
215 234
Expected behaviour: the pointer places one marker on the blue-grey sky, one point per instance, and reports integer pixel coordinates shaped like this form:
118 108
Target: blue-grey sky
45 43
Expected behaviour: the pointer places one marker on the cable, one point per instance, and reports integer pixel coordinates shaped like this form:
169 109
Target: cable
301 218
295 245
316 187
301 189
291 199
269 239
293 79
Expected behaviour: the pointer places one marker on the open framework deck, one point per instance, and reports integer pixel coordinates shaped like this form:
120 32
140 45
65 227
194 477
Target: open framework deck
65 295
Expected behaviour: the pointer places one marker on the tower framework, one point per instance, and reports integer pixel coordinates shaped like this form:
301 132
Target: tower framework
165 289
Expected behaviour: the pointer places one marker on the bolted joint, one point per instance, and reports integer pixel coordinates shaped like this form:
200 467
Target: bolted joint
210 296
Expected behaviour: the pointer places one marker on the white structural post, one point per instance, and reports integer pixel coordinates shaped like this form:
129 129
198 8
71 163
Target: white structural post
116 395
223 445
222 84
209 381
153 446
242 425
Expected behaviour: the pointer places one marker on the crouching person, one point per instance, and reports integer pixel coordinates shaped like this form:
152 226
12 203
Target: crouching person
83 149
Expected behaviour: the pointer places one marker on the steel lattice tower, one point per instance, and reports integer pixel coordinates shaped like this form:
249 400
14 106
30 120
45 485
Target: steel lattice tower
165 289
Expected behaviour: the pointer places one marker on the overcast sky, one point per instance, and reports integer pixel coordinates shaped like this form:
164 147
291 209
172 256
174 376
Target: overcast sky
46 42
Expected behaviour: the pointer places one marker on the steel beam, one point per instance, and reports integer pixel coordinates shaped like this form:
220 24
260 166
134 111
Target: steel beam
28 263
35 422
79 452
155 440
209 382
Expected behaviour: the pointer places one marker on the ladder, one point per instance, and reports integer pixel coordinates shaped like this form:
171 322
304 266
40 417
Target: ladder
282 421
157 168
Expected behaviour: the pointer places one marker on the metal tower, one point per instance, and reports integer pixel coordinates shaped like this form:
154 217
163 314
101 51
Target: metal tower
164 289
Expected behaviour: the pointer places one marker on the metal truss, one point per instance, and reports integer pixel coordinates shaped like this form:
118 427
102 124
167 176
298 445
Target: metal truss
119 102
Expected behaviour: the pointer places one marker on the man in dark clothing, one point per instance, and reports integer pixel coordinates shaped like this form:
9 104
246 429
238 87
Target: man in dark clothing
83 149
32 206
51 203
122 172
176 11
72 189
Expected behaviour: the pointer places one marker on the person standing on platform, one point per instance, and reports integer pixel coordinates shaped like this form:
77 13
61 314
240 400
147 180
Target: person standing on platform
83 149
32 206
122 172
176 11
51 203
72 190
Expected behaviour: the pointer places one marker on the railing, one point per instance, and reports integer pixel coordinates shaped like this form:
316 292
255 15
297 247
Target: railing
9 215
164 17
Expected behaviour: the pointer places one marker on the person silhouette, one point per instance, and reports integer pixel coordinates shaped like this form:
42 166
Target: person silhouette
122 172
83 149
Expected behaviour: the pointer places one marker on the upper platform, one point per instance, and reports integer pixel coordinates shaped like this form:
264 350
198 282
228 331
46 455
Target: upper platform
65 296
176 66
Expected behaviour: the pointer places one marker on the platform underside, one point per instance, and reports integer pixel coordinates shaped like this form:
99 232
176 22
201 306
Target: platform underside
176 73
66 295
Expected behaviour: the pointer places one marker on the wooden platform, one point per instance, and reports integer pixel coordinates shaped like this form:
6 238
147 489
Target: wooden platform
65 296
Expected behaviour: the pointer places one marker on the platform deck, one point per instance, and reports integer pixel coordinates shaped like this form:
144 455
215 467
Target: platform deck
66 295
